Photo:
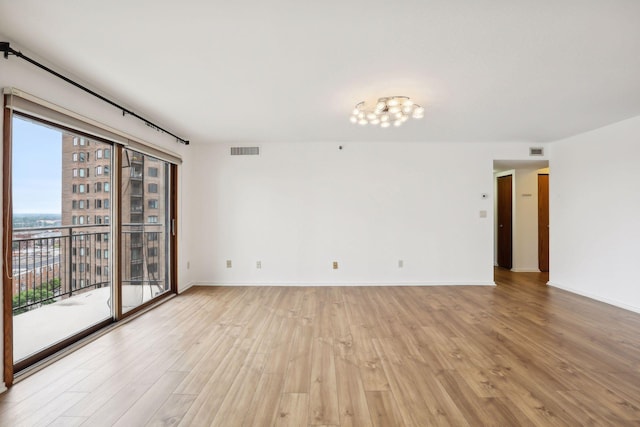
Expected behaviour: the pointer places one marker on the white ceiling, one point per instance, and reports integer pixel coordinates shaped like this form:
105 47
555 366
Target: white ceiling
292 70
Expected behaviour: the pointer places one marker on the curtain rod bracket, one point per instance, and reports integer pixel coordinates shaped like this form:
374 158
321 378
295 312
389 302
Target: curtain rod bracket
6 49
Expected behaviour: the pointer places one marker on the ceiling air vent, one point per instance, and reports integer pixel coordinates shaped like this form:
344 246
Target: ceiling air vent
536 151
245 151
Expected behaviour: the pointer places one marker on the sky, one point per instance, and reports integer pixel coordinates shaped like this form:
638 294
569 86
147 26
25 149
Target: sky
37 168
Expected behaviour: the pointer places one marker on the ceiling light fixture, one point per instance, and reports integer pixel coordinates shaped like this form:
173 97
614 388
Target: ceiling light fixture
390 110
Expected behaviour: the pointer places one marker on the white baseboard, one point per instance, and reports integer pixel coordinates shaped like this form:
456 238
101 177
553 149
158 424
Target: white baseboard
187 286
596 297
525 270
307 284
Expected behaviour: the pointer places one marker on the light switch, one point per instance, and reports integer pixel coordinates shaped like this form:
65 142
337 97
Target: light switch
483 214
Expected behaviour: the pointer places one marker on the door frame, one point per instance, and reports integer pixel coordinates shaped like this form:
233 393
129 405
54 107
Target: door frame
7 232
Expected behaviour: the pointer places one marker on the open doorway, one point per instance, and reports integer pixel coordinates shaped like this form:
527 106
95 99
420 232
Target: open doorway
521 219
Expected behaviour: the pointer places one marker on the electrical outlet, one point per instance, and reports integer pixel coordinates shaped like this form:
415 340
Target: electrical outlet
400 263
335 265
228 263
258 264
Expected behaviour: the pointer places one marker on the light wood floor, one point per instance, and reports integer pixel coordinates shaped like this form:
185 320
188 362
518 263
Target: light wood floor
516 354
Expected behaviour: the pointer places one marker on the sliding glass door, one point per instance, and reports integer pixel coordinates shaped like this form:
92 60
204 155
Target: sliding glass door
145 249
61 254
70 220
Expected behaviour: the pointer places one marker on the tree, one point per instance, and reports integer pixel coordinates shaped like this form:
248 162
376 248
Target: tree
44 294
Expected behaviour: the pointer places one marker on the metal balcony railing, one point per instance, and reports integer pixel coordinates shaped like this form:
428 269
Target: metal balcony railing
50 264
46 270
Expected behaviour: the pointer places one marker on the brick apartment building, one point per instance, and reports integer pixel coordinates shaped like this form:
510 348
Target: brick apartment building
87 170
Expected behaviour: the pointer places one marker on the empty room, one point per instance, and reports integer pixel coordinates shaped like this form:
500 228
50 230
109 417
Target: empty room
320 214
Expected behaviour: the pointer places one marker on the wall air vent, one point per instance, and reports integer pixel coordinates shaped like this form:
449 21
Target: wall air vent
245 151
536 151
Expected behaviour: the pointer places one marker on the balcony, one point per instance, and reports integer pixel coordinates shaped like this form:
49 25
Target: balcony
56 292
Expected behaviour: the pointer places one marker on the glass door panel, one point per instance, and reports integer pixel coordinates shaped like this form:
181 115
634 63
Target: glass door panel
61 255
145 229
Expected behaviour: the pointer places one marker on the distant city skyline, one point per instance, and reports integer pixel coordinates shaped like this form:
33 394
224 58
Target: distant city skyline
36 168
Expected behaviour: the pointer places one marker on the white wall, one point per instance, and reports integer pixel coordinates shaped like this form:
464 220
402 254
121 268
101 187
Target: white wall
15 72
187 230
595 214
525 227
299 206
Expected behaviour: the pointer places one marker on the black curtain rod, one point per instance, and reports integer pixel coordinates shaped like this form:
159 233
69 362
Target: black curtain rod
8 50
